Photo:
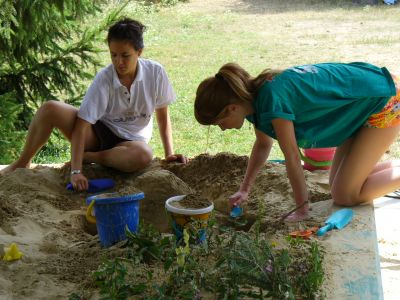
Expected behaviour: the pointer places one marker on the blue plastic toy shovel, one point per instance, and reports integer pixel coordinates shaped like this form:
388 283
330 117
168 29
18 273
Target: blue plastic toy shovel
236 212
338 220
277 161
96 185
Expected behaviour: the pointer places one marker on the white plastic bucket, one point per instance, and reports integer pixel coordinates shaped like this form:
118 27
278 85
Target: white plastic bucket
194 219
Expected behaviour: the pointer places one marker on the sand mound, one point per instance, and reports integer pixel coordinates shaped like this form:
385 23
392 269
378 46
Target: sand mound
158 186
60 251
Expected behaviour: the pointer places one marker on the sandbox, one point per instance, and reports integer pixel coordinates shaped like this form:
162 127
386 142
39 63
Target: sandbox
47 223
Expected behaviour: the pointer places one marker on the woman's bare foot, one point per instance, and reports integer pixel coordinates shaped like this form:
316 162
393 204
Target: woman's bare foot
300 214
10 168
297 216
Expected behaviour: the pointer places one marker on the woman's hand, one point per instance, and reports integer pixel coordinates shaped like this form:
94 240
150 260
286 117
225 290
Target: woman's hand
176 158
79 182
238 198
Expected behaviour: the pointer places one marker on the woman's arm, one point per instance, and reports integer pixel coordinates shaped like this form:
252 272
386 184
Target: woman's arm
259 154
78 180
284 131
165 128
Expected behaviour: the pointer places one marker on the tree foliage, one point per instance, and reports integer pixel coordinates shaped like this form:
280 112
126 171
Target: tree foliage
9 136
46 50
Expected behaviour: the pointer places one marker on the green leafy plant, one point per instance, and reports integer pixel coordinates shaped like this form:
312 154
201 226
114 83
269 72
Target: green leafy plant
255 269
47 49
233 265
10 136
148 244
183 280
74 296
111 279
311 272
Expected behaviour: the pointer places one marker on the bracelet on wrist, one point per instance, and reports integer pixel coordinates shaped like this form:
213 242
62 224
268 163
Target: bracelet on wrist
73 172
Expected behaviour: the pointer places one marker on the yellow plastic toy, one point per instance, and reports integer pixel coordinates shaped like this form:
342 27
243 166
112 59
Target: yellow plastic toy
12 253
89 214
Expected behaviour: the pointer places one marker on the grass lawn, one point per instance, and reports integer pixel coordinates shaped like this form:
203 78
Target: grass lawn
192 40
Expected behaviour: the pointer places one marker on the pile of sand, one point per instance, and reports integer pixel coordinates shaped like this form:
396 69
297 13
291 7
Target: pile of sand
47 221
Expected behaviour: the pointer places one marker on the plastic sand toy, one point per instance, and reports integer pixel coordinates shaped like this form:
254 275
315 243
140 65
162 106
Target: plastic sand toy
12 253
97 185
236 212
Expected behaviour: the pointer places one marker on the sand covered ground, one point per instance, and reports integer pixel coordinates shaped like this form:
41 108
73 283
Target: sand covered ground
47 221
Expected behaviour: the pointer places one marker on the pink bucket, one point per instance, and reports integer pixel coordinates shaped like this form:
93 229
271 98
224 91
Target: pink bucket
318 158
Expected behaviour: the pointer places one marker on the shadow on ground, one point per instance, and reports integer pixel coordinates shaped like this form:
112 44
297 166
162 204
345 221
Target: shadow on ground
280 6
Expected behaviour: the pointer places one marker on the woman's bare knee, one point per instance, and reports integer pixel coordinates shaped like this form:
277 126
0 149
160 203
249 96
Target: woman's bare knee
57 115
144 158
125 158
140 159
47 110
345 198
54 111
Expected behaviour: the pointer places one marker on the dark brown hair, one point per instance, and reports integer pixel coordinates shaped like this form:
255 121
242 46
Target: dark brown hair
127 30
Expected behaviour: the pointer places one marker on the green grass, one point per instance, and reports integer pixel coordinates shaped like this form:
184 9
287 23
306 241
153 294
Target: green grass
192 40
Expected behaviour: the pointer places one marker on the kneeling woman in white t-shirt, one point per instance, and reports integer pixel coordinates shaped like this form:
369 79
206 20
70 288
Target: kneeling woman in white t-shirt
114 123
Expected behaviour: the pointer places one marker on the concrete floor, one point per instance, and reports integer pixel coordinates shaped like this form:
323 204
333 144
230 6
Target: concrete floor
351 259
387 218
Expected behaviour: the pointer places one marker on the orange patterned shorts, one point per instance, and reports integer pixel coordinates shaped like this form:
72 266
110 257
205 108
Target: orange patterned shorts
389 116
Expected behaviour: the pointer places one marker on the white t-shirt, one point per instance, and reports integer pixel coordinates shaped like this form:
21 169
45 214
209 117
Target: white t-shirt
128 114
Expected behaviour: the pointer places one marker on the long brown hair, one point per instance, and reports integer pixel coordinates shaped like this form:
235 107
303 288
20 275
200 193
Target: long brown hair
231 85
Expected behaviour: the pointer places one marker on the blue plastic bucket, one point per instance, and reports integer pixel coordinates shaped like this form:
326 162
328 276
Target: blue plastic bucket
113 212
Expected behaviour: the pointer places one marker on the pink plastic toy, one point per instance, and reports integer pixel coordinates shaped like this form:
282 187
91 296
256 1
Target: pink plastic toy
318 158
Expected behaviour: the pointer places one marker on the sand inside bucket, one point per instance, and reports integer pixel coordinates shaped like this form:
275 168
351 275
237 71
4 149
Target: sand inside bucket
192 201
124 191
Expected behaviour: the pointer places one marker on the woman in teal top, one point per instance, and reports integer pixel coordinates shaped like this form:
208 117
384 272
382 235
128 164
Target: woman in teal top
350 106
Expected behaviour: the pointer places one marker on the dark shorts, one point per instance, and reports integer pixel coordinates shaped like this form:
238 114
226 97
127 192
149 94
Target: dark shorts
107 138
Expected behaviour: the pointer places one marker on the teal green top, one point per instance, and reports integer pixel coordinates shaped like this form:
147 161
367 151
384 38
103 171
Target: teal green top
327 103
